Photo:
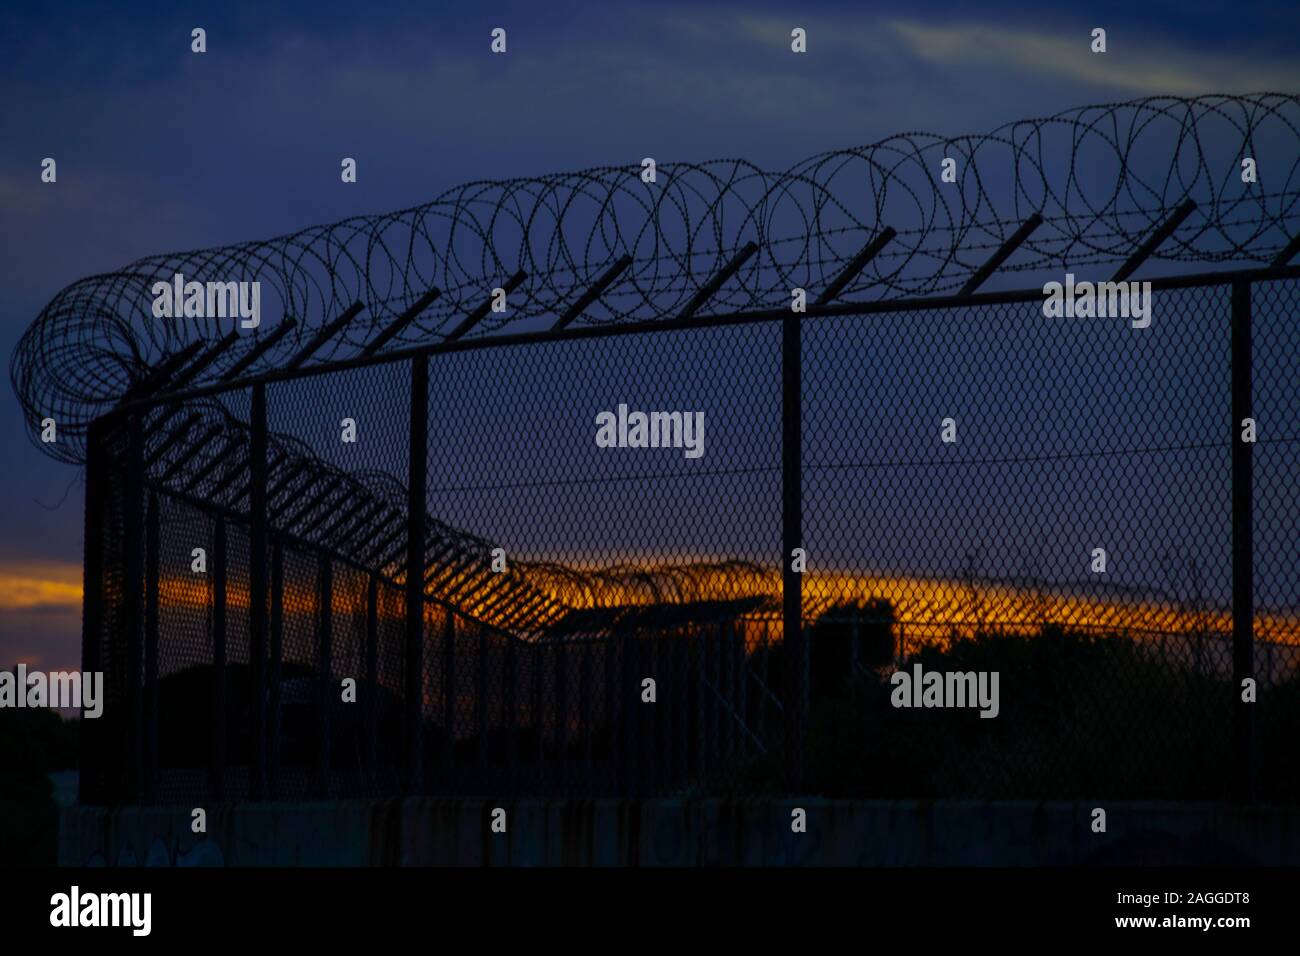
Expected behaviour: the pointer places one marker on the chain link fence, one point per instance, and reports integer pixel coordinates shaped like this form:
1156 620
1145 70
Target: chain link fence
430 574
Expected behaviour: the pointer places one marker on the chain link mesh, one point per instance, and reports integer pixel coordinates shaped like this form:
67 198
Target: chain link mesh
619 566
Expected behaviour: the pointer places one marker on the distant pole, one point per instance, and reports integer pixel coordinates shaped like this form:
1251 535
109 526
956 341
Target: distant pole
1243 577
792 538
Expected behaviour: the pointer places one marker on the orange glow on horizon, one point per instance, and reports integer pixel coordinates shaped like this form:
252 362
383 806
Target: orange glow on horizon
927 602
921 602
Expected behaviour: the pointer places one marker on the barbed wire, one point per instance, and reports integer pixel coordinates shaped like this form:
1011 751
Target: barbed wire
360 518
1101 177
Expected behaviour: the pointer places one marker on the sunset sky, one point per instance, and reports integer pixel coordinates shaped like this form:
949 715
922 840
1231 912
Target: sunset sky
161 150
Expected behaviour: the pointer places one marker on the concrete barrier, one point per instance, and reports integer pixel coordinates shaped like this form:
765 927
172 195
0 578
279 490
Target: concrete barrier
669 832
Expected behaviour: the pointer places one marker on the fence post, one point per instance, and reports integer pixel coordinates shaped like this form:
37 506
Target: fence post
644 732
742 686
627 701
538 651
324 666
700 647
610 695
277 656
94 756
791 538
674 712
764 678
449 696
372 684
560 659
218 768
417 472
714 678
1243 596
480 702
133 555
724 691
584 699
257 588
510 713
733 689
662 756
151 649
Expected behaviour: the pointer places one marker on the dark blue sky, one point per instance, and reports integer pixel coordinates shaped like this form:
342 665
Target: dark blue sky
159 149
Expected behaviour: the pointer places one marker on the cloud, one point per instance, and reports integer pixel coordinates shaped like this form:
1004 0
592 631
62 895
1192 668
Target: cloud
1147 70
40 586
40 614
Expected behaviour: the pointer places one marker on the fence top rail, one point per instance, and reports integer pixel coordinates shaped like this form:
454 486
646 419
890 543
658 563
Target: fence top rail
569 334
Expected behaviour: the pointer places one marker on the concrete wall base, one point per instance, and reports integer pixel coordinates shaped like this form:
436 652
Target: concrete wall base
671 832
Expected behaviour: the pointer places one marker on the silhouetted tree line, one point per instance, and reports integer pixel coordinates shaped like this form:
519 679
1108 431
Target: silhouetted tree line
33 744
1082 714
